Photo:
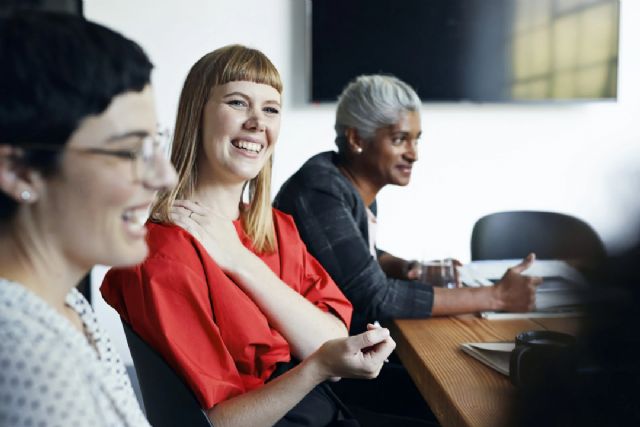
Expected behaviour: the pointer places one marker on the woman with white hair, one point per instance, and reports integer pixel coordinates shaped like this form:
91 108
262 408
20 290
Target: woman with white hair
332 199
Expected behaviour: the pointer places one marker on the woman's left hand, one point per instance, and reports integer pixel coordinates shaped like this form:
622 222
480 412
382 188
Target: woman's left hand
515 291
414 270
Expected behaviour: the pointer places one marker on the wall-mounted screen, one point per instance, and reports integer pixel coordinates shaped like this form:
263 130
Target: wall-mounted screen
469 50
65 6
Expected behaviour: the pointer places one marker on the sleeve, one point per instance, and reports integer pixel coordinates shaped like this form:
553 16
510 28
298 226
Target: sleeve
328 227
319 288
171 310
306 273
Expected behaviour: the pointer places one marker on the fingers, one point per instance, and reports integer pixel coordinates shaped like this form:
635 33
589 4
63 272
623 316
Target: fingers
415 272
188 219
531 300
183 210
372 348
370 338
456 262
358 356
182 215
518 291
377 342
532 296
191 206
533 283
377 355
412 270
371 326
380 352
526 263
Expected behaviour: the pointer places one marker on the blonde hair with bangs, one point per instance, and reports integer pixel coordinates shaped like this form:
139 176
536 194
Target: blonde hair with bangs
224 65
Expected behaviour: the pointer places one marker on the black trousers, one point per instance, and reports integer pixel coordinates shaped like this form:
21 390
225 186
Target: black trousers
319 408
391 400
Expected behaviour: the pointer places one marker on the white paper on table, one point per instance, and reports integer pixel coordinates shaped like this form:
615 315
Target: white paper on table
493 354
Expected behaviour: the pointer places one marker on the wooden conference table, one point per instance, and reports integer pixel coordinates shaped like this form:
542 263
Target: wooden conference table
460 390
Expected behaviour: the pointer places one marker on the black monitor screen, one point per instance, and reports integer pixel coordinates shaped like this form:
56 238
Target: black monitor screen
469 50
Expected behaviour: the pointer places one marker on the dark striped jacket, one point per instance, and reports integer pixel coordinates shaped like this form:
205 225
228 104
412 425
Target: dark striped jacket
332 221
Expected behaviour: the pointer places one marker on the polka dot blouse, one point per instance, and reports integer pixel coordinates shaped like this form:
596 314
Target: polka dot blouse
50 374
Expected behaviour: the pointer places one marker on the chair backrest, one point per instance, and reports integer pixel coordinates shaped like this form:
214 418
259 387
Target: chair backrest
550 235
168 401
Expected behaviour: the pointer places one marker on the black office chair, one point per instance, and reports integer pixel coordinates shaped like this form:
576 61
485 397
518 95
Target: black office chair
168 401
505 235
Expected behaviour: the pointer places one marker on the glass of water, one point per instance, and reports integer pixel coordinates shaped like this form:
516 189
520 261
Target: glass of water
440 273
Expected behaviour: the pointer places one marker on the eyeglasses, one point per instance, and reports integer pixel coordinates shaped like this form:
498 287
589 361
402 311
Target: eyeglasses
146 159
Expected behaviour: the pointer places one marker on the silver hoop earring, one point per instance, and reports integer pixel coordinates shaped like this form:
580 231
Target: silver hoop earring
25 195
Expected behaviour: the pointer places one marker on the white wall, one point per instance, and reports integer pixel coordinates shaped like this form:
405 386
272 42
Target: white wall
582 159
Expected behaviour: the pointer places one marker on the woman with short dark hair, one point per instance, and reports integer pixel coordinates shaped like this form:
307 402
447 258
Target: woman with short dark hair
80 163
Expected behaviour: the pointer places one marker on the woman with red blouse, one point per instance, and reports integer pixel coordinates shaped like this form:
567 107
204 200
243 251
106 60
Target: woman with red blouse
229 294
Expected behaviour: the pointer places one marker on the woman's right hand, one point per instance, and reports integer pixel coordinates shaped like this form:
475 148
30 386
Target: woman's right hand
358 356
516 291
217 234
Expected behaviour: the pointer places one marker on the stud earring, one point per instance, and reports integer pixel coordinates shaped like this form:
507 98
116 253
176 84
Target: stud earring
25 195
359 150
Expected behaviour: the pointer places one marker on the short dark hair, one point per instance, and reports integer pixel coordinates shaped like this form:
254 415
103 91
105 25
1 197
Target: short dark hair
58 69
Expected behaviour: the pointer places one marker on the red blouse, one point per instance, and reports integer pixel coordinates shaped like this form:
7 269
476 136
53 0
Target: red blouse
202 323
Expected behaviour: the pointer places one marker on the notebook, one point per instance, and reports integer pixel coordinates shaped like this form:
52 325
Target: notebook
493 354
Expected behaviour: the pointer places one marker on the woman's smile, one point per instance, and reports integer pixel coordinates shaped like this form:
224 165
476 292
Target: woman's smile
248 146
134 219
241 124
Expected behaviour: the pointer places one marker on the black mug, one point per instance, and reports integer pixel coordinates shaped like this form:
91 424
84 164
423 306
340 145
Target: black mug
540 356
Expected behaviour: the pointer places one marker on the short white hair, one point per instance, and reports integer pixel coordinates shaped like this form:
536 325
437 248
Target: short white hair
371 102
